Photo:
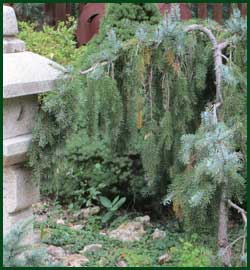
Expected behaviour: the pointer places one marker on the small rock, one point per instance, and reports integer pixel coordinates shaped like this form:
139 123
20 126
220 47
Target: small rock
164 258
144 220
158 234
131 231
86 212
103 233
56 251
121 264
92 248
40 208
41 218
60 221
78 227
75 260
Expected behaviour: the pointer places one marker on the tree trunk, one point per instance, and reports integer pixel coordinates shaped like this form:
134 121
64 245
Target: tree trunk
224 249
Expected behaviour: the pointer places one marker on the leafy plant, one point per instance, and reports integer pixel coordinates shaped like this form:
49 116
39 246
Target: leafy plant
111 207
56 43
190 254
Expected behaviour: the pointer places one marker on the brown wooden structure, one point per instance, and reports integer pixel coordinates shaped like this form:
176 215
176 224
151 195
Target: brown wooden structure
89 21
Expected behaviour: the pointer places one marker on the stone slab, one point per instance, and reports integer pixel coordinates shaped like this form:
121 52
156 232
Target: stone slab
19 115
13 45
9 22
15 149
19 191
27 73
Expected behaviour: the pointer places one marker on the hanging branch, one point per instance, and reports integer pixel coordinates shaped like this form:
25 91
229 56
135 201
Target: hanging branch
224 247
96 65
217 56
244 217
240 210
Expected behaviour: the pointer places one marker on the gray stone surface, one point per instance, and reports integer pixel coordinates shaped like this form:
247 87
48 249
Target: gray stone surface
15 149
130 231
9 22
158 234
20 192
144 219
56 251
92 248
18 115
13 45
27 73
11 219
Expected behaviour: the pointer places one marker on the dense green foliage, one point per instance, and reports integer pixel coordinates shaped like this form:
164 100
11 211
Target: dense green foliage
56 43
117 129
211 161
125 18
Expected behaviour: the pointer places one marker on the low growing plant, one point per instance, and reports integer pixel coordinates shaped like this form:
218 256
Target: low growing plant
191 254
111 207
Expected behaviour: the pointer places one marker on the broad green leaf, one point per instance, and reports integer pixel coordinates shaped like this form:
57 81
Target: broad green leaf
107 217
105 202
118 204
115 200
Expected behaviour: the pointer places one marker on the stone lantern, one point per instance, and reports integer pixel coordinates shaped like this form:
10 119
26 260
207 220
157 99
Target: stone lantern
25 75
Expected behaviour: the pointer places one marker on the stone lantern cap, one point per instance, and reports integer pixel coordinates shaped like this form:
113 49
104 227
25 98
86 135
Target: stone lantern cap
24 73
27 73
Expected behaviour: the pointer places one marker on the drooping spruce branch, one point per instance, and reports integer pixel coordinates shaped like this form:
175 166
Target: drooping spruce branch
224 246
217 47
93 67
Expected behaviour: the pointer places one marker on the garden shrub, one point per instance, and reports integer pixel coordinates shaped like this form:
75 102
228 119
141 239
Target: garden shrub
118 128
56 43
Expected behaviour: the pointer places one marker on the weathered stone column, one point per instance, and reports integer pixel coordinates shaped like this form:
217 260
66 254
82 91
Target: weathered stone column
25 74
